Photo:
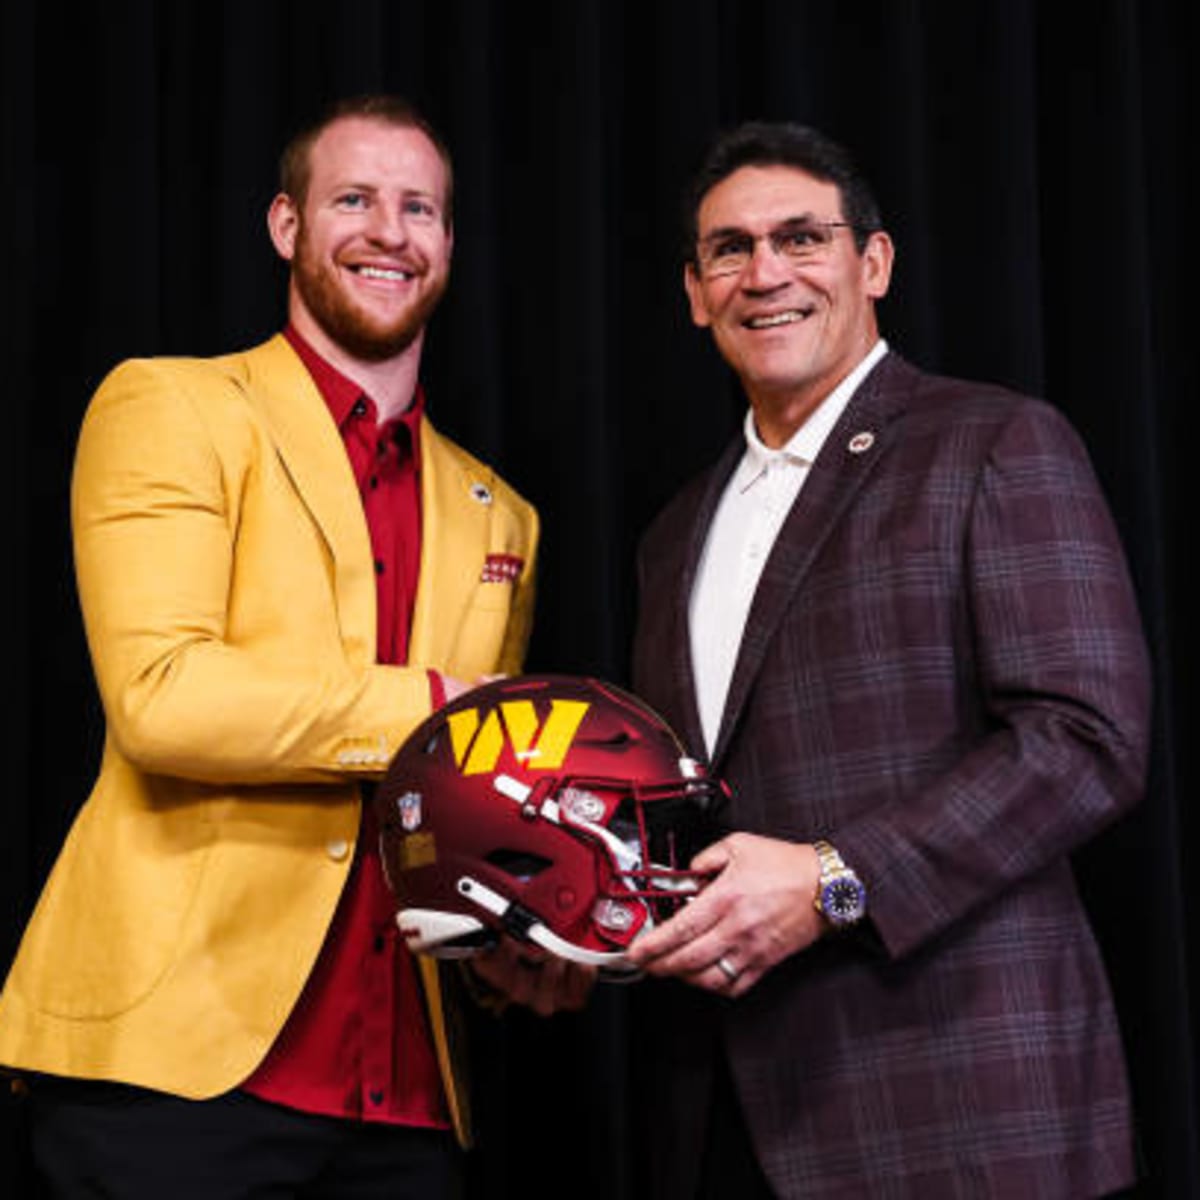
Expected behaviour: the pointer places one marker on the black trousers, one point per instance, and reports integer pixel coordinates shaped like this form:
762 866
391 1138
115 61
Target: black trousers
730 1167
101 1140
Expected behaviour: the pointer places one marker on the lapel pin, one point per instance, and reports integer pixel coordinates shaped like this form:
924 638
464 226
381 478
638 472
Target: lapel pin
481 493
861 442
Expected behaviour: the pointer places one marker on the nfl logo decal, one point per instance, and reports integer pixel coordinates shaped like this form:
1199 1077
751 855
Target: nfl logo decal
409 806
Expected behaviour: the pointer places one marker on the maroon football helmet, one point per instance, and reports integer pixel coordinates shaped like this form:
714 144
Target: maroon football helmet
557 809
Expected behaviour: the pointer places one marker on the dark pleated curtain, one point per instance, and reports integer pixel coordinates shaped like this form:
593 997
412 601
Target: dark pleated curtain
1034 161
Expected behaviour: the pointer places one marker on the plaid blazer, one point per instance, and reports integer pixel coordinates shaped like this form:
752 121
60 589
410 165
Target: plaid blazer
943 672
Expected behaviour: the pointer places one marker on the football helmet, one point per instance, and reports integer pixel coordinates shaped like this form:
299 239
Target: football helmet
558 809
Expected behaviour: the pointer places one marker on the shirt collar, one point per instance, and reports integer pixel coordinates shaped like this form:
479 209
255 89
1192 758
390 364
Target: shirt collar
802 448
341 394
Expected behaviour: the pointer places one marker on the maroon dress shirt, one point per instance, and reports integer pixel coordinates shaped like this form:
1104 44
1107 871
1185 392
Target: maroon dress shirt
357 1043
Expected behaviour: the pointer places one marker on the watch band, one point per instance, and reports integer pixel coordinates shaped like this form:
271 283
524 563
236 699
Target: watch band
831 861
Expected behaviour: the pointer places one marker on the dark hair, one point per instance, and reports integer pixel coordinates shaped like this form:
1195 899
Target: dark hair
295 163
783 144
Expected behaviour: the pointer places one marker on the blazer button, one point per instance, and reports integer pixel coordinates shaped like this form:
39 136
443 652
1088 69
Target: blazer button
337 849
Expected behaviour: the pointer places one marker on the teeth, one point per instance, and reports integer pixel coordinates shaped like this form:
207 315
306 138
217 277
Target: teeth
783 318
383 273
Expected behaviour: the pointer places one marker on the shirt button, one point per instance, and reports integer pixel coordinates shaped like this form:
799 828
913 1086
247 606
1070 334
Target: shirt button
379 566
360 407
376 1097
337 849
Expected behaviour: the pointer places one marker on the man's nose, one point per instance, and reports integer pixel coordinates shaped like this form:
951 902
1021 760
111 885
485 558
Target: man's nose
388 226
767 268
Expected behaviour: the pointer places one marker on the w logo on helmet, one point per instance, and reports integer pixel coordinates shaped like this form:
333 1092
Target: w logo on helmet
538 745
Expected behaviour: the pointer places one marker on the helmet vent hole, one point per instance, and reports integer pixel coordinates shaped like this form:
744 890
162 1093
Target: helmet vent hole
520 864
622 739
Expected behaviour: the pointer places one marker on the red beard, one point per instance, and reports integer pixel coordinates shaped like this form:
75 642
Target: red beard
346 323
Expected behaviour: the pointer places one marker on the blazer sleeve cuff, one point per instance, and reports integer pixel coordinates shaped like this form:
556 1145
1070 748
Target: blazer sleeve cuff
437 689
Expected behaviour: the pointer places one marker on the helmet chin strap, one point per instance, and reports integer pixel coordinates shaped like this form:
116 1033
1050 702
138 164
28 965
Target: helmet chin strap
613 965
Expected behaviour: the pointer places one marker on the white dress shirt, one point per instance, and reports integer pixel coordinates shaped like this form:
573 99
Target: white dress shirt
757 498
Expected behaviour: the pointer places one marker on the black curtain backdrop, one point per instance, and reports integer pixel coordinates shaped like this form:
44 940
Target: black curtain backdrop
1034 163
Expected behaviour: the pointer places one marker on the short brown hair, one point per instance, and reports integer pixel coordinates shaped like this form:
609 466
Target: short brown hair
295 163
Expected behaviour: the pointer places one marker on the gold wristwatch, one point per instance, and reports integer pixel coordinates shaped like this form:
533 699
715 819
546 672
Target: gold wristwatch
841 897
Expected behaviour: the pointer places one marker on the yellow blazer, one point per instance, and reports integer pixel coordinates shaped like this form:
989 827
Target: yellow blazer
228 592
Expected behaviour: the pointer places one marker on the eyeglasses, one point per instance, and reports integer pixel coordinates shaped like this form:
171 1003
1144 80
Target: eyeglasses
729 252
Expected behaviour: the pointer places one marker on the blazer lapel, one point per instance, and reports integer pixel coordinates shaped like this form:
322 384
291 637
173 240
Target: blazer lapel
857 442
311 450
459 507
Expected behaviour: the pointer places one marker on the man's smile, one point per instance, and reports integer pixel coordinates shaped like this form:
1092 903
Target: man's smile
387 274
771 320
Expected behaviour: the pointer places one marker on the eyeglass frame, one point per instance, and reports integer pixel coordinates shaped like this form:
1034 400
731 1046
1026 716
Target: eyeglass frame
774 237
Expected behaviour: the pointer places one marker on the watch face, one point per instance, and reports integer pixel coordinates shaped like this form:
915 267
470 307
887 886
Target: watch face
844 900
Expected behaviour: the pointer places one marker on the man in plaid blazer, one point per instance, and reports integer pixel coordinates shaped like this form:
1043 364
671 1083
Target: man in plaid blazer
896 618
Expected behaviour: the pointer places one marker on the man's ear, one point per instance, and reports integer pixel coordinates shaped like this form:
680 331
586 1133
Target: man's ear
283 222
878 255
695 295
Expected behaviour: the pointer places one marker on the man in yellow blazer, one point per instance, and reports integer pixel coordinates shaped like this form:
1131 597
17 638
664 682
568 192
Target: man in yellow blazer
212 930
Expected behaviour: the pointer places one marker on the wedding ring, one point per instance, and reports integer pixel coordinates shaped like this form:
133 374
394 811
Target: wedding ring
727 969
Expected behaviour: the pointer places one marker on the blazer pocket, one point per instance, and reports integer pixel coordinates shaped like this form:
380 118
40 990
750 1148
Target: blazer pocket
492 597
110 922
481 634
